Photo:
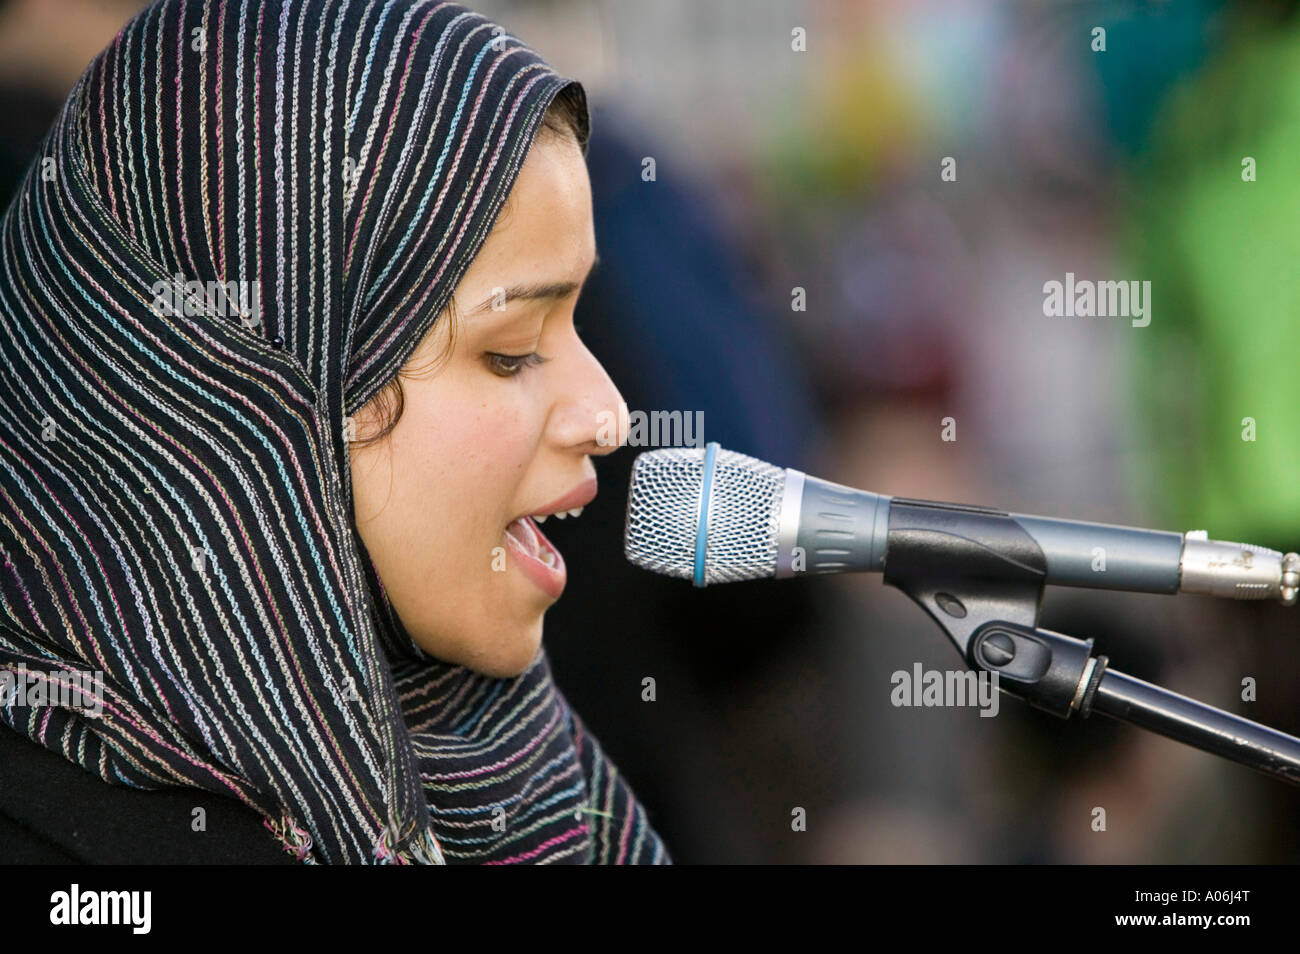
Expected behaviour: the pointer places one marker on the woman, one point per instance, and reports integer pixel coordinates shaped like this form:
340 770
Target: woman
290 379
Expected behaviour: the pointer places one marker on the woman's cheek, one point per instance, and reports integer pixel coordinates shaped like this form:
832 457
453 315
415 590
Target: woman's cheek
514 417
468 440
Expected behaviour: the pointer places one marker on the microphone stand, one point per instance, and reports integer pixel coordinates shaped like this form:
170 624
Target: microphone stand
981 578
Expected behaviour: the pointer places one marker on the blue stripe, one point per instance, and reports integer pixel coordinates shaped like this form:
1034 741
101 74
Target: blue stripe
706 491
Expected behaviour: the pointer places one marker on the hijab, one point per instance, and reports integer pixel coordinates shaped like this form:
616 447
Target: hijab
244 220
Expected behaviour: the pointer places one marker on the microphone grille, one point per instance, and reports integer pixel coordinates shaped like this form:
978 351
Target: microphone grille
744 514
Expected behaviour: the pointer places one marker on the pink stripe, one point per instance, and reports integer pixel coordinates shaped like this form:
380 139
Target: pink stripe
549 843
627 833
219 258
542 737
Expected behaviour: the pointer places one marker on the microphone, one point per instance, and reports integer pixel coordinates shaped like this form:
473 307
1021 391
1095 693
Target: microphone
715 516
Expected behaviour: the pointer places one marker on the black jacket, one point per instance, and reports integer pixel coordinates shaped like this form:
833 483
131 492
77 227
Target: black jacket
55 812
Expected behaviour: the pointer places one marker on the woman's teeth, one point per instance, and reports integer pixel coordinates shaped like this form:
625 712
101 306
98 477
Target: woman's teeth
530 542
559 515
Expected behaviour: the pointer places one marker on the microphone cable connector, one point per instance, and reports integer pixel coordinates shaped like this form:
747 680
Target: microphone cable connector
1239 571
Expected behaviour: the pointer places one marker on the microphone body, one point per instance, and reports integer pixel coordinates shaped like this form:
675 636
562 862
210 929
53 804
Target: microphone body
838 529
714 516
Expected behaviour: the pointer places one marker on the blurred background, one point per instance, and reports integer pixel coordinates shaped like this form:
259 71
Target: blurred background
799 270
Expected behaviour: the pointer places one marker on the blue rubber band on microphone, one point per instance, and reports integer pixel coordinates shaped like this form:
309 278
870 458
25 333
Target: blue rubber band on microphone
706 491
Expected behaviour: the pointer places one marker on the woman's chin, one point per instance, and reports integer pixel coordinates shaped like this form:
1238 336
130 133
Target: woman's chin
513 659
502 652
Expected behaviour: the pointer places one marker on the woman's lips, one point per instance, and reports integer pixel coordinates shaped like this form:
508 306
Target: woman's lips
579 496
536 556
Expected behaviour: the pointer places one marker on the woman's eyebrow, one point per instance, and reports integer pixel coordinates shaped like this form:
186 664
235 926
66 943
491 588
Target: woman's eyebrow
531 292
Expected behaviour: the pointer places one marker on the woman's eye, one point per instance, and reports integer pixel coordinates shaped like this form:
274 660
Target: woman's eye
509 365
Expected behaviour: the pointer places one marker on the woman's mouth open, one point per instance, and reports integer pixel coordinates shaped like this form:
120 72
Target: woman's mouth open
534 554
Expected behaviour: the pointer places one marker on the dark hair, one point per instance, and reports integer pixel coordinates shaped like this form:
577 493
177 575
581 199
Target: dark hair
567 116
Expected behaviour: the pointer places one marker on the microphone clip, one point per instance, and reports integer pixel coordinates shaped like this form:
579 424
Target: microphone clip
981 577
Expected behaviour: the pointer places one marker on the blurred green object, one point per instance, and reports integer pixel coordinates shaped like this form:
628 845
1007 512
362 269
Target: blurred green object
1223 256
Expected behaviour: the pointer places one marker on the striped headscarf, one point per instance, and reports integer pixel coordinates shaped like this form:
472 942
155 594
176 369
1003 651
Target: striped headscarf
243 222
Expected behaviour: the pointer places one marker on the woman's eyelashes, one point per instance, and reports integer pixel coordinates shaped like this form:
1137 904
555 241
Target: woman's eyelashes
511 365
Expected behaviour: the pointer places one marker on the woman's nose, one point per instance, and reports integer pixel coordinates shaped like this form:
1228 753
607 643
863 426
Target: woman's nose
591 416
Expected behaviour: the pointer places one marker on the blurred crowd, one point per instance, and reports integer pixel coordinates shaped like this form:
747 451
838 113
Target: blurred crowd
853 210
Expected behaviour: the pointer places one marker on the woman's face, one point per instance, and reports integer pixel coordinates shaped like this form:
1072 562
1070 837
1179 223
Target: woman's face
501 429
